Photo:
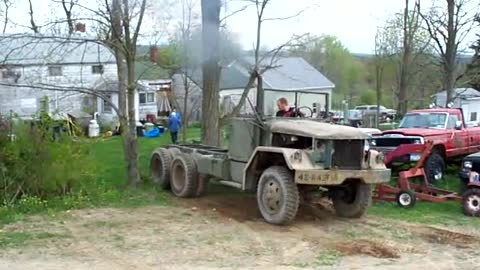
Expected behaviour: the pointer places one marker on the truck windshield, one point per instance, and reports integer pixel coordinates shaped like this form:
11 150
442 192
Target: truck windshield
424 120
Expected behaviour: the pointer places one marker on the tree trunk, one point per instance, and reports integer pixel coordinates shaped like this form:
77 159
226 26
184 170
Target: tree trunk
185 112
211 72
405 64
378 85
450 52
132 146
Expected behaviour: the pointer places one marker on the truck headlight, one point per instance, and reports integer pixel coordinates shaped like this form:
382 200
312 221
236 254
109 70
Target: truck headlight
467 165
373 142
415 157
417 141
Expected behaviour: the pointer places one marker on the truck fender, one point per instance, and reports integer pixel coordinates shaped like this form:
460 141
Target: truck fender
264 157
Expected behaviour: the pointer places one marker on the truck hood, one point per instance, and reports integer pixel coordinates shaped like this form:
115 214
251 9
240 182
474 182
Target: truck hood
424 132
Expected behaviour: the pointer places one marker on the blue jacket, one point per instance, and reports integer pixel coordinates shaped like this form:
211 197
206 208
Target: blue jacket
174 123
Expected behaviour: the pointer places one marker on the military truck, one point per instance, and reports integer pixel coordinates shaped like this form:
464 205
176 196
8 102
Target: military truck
283 160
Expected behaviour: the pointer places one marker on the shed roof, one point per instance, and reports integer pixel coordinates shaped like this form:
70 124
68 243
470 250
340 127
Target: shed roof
289 74
292 74
28 49
463 93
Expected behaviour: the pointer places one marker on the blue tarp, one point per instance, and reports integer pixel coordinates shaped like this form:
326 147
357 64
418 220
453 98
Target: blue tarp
156 132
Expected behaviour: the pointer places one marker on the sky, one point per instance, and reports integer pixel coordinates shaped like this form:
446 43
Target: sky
354 22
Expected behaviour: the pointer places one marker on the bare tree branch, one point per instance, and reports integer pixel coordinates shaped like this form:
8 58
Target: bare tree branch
33 27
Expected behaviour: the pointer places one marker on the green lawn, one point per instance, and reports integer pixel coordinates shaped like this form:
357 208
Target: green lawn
109 189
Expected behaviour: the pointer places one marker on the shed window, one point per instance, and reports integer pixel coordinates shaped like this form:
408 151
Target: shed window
146 98
55 71
473 116
97 69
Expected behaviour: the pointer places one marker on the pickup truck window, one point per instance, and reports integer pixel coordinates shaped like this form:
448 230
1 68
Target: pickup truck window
424 120
452 119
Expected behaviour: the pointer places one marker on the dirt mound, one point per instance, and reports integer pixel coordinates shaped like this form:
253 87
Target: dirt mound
367 247
445 237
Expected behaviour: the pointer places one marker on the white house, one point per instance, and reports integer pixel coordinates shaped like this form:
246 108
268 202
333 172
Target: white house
53 71
466 98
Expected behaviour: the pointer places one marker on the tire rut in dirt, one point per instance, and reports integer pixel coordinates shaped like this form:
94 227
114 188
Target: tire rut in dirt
160 163
277 196
184 176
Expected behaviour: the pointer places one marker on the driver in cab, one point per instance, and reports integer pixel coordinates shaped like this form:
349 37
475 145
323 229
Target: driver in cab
284 110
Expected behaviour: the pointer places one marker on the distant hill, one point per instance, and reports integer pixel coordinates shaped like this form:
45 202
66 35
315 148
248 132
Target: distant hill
462 58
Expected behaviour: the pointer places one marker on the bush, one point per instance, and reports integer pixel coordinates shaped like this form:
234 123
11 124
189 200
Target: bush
35 165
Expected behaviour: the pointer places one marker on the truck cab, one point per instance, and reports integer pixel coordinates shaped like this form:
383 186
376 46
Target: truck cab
446 128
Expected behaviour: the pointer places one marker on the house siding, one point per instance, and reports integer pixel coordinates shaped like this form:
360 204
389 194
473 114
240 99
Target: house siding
25 101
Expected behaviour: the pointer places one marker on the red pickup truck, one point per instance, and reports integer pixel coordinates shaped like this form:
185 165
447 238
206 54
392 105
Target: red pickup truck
445 127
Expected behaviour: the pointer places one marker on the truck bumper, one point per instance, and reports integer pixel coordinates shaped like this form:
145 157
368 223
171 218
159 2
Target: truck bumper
337 177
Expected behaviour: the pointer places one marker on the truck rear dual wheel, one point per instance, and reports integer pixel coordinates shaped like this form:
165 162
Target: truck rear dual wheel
185 181
160 163
277 196
352 200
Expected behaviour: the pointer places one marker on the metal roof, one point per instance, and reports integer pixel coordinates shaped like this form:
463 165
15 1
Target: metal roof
293 74
28 49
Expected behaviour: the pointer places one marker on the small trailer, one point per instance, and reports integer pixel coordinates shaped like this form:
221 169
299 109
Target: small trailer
282 161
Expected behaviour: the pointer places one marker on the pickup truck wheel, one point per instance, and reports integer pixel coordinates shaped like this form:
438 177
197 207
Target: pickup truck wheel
434 168
277 196
471 202
160 163
352 200
184 176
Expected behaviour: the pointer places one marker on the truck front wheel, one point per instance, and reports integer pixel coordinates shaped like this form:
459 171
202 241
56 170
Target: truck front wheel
277 196
351 200
434 168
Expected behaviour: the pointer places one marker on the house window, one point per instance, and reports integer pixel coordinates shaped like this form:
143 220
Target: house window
97 69
146 98
55 71
106 108
8 74
473 116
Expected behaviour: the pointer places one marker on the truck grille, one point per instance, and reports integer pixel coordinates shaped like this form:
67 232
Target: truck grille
393 142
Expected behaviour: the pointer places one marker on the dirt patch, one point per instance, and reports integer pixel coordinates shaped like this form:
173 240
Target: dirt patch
368 247
446 237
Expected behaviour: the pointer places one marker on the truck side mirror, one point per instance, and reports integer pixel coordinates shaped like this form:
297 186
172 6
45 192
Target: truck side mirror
458 125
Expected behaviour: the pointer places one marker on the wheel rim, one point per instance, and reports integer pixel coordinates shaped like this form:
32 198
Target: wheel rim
405 199
438 175
473 202
156 165
272 197
178 177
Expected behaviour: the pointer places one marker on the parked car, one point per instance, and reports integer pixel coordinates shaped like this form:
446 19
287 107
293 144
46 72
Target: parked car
444 127
470 163
470 185
372 110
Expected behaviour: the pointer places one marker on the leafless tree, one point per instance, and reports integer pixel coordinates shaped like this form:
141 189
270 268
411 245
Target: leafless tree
4 12
212 69
33 25
68 7
448 28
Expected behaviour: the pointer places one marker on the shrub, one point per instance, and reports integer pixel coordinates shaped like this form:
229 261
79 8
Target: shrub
36 165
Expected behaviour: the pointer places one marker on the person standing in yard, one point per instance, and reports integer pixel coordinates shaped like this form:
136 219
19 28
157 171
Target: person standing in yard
174 126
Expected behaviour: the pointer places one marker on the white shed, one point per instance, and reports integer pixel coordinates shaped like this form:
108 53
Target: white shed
466 98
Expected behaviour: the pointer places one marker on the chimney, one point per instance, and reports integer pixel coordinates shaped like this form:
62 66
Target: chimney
154 54
80 27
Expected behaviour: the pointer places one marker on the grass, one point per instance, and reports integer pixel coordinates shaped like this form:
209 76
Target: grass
15 239
109 189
